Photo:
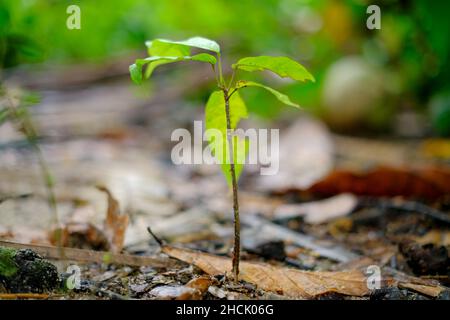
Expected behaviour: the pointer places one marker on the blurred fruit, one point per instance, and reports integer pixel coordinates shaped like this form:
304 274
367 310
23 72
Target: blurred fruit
352 90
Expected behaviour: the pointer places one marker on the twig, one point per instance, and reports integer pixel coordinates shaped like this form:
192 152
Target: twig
26 126
408 206
158 240
277 232
90 256
14 296
14 197
110 294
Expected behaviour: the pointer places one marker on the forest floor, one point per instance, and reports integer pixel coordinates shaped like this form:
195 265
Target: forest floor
341 211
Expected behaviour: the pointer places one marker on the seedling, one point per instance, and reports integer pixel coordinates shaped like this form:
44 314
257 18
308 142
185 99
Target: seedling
224 108
17 112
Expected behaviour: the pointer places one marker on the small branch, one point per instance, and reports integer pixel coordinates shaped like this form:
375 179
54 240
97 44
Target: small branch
15 296
408 206
14 197
222 82
215 74
231 80
90 256
158 240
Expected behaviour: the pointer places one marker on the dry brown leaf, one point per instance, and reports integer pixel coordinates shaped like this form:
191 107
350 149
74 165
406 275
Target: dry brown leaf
79 235
431 291
115 223
436 148
193 290
286 281
199 287
430 183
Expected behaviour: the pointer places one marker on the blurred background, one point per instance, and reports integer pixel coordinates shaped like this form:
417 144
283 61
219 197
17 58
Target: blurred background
393 81
376 123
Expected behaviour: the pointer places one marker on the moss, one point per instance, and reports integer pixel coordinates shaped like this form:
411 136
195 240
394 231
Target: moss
8 267
25 271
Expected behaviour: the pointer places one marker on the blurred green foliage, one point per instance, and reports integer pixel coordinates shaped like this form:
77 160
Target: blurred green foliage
411 51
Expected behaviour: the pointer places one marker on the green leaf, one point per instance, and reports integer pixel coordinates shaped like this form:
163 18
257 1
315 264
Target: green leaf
136 73
280 96
204 57
215 118
282 66
240 151
155 61
159 48
8 266
159 45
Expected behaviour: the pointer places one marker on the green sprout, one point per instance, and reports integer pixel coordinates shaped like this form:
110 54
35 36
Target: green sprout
225 107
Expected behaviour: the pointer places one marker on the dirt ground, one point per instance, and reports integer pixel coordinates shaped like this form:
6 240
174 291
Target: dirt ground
319 214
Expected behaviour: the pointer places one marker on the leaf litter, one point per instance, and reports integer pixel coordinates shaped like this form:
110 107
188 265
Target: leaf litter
328 243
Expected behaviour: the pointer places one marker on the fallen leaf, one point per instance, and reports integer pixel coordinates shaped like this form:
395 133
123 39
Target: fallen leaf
431 291
217 292
427 287
115 223
171 292
436 148
199 287
286 281
80 235
430 183
319 211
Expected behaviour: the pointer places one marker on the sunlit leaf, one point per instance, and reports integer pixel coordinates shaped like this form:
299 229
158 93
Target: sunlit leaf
280 96
176 46
136 73
204 57
155 61
159 48
215 118
241 147
282 66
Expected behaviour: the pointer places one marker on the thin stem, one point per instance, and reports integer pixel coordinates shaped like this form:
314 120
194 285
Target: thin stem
231 80
222 82
237 224
26 126
215 74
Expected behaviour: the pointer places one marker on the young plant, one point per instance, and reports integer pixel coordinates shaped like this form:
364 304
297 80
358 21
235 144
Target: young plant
224 108
15 109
